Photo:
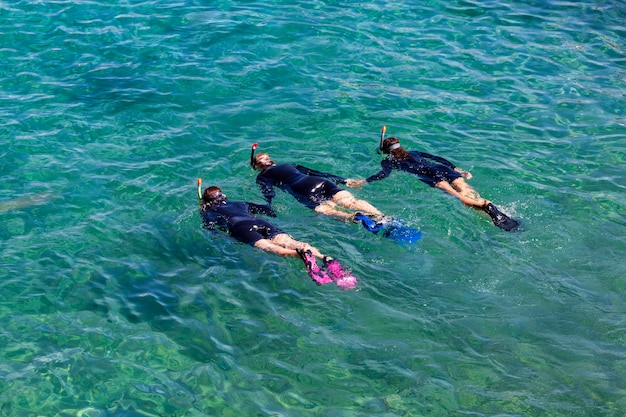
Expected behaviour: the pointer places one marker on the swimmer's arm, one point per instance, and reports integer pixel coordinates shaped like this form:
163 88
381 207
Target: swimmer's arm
267 189
265 209
209 226
436 158
268 246
208 220
354 183
383 173
465 174
308 171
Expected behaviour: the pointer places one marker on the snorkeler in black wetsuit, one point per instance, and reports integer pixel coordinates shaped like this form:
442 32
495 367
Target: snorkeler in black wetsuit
430 169
314 189
437 172
237 217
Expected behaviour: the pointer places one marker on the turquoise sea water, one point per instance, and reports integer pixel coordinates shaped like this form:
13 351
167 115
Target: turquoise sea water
115 302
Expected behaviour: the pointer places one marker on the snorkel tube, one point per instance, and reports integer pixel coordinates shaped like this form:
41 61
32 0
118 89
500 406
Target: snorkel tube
382 138
200 188
254 146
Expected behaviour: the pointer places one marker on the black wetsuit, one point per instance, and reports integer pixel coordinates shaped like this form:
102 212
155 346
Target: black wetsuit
308 186
432 169
429 168
237 218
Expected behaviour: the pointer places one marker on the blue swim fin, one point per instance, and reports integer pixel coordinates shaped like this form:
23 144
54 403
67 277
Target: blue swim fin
403 234
369 224
391 228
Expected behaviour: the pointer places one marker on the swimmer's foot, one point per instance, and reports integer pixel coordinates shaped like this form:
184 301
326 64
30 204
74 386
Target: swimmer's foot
500 219
385 220
344 278
376 217
315 272
368 223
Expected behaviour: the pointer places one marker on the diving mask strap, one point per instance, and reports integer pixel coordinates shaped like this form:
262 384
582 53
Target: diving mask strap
394 146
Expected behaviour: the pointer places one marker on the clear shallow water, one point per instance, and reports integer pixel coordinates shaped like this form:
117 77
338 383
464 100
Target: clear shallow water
115 302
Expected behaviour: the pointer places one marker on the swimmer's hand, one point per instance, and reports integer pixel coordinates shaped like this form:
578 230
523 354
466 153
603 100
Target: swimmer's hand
352 183
464 174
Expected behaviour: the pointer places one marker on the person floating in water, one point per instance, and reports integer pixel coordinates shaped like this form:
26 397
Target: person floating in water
24 202
237 217
437 172
314 189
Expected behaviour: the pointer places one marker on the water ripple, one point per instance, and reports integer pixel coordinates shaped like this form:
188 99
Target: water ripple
116 302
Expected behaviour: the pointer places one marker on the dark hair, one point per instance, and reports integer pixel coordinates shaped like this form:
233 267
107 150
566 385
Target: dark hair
398 153
207 196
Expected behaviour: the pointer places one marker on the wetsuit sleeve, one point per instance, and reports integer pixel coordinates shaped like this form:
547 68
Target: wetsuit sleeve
209 219
307 171
383 173
437 159
266 186
265 209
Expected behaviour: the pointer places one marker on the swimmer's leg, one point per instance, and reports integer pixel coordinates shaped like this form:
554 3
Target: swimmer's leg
464 188
463 192
269 246
346 199
470 197
329 208
286 241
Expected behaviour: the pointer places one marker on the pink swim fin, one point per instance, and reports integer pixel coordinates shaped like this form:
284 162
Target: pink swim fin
341 276
315 272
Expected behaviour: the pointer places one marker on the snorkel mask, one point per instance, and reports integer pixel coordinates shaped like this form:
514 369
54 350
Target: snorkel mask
214 197
394 147
217 198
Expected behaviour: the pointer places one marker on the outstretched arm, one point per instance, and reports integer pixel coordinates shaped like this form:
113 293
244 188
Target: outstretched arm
354 183
384 172
267 189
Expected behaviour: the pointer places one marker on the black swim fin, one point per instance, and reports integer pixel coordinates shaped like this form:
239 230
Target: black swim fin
500 219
